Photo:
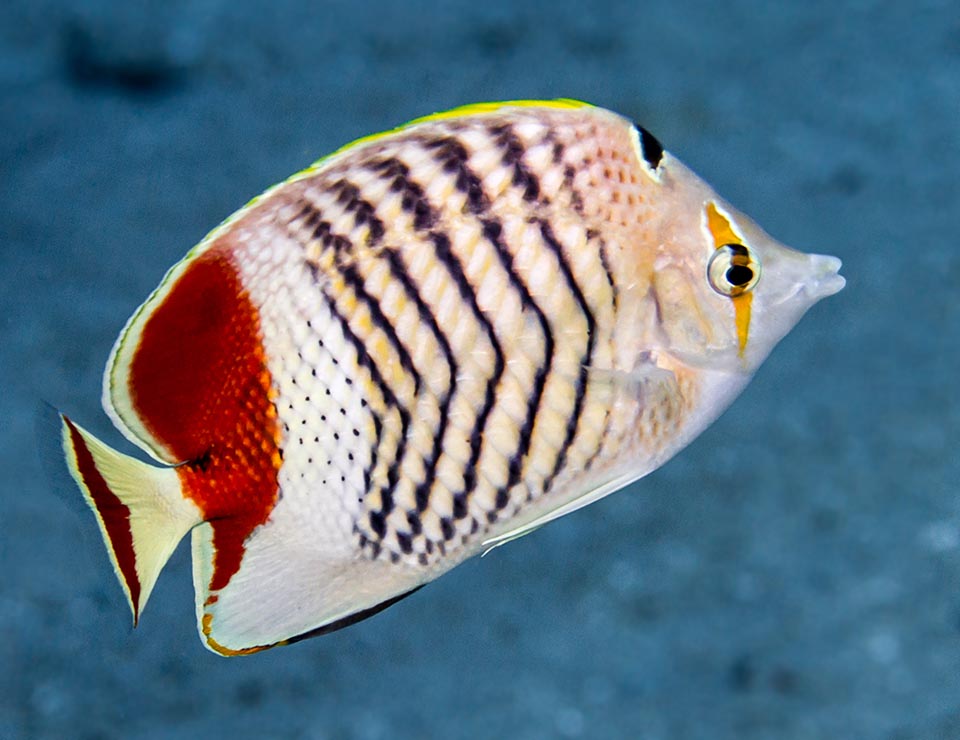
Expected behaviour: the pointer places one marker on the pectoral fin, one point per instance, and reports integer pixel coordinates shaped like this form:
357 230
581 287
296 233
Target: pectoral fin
647 382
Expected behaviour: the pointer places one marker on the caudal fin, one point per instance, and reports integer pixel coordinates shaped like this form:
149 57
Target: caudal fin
140 509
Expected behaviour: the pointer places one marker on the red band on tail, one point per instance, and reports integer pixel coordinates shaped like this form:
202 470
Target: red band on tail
114 515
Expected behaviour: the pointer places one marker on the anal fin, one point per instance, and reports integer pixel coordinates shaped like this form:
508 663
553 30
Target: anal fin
291 585
352 619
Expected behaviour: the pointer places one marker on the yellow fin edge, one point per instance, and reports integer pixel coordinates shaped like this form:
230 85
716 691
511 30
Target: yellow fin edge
206 628
463 110
470 109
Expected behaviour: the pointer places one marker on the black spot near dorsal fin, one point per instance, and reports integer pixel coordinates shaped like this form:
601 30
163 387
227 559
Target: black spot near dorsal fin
651 148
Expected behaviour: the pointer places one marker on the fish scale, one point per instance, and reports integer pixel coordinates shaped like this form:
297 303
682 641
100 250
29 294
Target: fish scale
429 343
413 517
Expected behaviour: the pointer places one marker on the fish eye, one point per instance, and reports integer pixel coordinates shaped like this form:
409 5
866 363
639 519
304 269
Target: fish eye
733 270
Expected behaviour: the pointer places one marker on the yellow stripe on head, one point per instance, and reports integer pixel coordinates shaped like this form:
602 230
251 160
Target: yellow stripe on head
720 226
741 310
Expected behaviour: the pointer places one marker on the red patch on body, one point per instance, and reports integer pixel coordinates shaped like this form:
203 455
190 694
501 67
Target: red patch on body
112 512
200 384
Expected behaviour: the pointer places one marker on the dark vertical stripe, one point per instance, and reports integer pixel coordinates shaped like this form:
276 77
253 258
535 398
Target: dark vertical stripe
364 360
342 246
574 420
364 213
455 268
399 272
454 156
605 262
355 281
412 198
600 443
493 232
513 152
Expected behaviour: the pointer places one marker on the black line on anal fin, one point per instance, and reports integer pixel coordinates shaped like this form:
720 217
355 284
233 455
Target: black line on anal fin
573 422
651 148
351 619
493 232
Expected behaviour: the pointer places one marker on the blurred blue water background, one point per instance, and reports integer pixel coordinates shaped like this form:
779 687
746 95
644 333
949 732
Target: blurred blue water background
793 574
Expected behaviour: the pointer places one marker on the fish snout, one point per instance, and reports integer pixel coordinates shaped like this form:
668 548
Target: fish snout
825 279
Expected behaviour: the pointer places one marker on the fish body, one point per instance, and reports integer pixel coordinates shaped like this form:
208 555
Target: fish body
428 343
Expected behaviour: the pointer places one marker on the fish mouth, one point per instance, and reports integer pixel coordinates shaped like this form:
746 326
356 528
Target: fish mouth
826 279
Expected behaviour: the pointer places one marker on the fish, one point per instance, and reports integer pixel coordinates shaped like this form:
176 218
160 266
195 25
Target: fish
427 344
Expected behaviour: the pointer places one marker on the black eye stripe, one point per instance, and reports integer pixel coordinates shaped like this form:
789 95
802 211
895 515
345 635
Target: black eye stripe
738 250
650 147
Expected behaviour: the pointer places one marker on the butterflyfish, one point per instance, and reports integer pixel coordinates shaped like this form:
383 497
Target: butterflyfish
429 343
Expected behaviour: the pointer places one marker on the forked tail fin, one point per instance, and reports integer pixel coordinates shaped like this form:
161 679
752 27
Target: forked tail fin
140 508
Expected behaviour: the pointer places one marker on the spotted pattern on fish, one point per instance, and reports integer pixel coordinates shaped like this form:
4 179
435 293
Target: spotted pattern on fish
437 478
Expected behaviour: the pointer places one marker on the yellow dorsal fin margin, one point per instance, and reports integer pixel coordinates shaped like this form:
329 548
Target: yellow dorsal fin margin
463 110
